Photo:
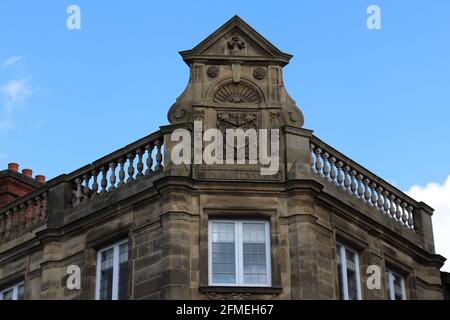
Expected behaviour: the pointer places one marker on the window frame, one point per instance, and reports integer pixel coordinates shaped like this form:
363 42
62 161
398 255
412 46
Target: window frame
343 262
390 290
15 289
239 264
115 271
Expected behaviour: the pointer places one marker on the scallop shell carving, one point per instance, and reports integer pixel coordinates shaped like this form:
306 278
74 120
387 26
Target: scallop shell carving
237 93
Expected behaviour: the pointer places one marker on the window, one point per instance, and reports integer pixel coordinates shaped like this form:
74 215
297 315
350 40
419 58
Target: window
239 253
348 272
395 286
112 272
13 293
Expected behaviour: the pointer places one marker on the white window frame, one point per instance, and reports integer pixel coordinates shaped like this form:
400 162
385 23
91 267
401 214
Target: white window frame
115 280
343 261
390 281
15 289
239 264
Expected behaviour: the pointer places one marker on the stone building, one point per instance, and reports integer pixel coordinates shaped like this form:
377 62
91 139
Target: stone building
140 225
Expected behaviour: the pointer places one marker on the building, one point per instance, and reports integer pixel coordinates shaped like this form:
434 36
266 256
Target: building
139 225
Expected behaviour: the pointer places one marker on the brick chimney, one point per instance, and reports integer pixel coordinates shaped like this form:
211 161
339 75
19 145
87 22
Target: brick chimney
14 185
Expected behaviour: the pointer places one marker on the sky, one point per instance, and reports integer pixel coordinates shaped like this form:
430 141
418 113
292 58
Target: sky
382 97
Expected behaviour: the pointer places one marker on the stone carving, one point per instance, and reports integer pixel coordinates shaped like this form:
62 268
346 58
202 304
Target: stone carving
235 44
259 73
179 113
237 93
228 296
234 120
213 72
199 115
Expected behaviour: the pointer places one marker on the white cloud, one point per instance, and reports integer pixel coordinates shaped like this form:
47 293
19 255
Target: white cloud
11 61
438 197
16 90
14 93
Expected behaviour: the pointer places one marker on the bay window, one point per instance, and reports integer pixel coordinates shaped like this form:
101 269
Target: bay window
15 292
395 286
348 273
112 272
239 253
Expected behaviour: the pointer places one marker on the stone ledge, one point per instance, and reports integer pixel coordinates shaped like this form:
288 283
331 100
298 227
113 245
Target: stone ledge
241 290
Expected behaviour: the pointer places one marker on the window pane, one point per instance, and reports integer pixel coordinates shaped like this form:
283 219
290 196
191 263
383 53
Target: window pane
123 271
352 278
254 253
388 285
106 274
223 252
398 290
340 273
8 295
20 292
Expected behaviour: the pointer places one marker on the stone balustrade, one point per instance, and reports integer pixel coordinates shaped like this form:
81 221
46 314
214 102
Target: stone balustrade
361 183
25 214
118 170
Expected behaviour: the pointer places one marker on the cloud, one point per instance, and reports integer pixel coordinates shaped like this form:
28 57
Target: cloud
437 196
11 61
16 90
14 93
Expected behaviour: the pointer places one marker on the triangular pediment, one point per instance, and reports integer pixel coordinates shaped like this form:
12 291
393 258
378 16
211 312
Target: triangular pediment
236 40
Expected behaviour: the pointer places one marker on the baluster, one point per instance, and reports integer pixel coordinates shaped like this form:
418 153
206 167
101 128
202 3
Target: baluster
340 178
333 169
38 209
104 181
140 165
30 215
121 173
347 181
393 206
112 179
398 213
404 214
86 189
367 190
373 197
360 186
149 149
313 159
159 166
44 207
8 224
23 216
318 153
2 227
410 217
94 174
380 202
131 167
78 194
326 168
353 182
386 201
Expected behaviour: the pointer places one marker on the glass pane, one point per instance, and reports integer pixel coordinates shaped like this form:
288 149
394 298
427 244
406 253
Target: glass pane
398 290
388 285
123 271
106 274
340 273
223 252
254 253
20 292
352 278
8 295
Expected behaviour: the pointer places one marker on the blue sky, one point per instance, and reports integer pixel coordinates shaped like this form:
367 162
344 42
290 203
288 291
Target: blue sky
382 97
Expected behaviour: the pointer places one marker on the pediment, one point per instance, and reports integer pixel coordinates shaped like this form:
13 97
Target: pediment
236 40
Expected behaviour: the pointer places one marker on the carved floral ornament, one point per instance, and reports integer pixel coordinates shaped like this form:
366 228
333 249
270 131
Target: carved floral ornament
237 93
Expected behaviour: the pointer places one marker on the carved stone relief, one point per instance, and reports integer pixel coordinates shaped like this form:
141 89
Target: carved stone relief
237 93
